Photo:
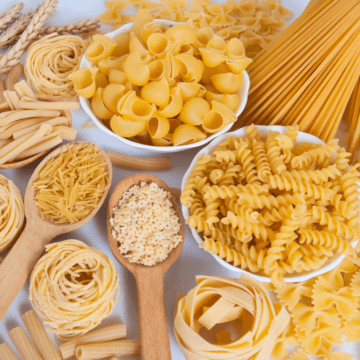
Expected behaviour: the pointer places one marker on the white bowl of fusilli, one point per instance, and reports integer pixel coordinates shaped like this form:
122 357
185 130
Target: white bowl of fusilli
295 226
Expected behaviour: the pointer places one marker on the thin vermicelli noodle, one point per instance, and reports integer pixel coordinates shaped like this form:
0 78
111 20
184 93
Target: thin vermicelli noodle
72 184
73 287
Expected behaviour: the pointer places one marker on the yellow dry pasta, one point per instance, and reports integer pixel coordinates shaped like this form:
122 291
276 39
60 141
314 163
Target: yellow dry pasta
71 184
269 223
6 353
217 300
40 337
156 74
50 61
12 214
100 350
108 333
255 22
23 344
92 288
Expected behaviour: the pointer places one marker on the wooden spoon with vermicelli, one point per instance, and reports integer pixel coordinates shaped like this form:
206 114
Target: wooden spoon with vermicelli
154 335
38 232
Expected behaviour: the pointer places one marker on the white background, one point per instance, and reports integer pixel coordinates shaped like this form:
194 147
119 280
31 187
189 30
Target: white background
192 261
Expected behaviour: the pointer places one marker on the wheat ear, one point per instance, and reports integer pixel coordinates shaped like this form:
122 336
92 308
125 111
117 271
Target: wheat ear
12 33
9 16
80 27
13 56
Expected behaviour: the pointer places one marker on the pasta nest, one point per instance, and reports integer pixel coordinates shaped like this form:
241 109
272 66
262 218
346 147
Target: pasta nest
12 214
218 300
73 287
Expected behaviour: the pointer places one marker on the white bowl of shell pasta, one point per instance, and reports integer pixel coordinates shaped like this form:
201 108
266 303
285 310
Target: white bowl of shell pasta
191 140
275 204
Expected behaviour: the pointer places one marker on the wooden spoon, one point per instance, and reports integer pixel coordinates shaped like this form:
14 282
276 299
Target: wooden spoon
38 232
154 334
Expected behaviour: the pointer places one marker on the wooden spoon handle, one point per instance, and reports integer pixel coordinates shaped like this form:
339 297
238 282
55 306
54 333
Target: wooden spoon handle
154 335
20 261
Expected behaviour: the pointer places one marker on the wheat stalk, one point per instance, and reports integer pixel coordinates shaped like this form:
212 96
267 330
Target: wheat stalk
80 27
12 33
13 56
9 16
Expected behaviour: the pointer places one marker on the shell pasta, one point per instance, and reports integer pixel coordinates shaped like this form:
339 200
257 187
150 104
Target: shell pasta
161 74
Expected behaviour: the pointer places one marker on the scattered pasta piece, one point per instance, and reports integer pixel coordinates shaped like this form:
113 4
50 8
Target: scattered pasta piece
71 184
92 288
255 22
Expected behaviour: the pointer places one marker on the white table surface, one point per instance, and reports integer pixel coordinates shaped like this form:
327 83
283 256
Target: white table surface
192 261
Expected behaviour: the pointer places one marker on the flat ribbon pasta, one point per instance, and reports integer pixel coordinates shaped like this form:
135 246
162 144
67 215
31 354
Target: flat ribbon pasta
217 300
12 214
73 287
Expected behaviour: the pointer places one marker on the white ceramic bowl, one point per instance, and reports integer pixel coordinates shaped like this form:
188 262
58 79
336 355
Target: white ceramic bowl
242 93
263 130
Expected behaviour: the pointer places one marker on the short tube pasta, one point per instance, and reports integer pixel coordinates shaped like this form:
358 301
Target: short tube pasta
23 344
110 348
107 333
6 353
40 337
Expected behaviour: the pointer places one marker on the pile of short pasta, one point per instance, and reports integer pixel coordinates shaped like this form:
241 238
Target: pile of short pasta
274 207
71 184
32 126
255 22
163 86
324 312
310 74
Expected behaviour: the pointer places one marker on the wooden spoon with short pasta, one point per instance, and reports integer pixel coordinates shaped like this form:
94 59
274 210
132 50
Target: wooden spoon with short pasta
154 335
38 232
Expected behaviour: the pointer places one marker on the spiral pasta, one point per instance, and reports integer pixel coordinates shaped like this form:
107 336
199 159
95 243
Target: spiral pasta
12 214
295 215
73 287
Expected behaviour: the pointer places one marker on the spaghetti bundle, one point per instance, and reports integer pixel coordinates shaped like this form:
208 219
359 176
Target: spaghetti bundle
308 73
